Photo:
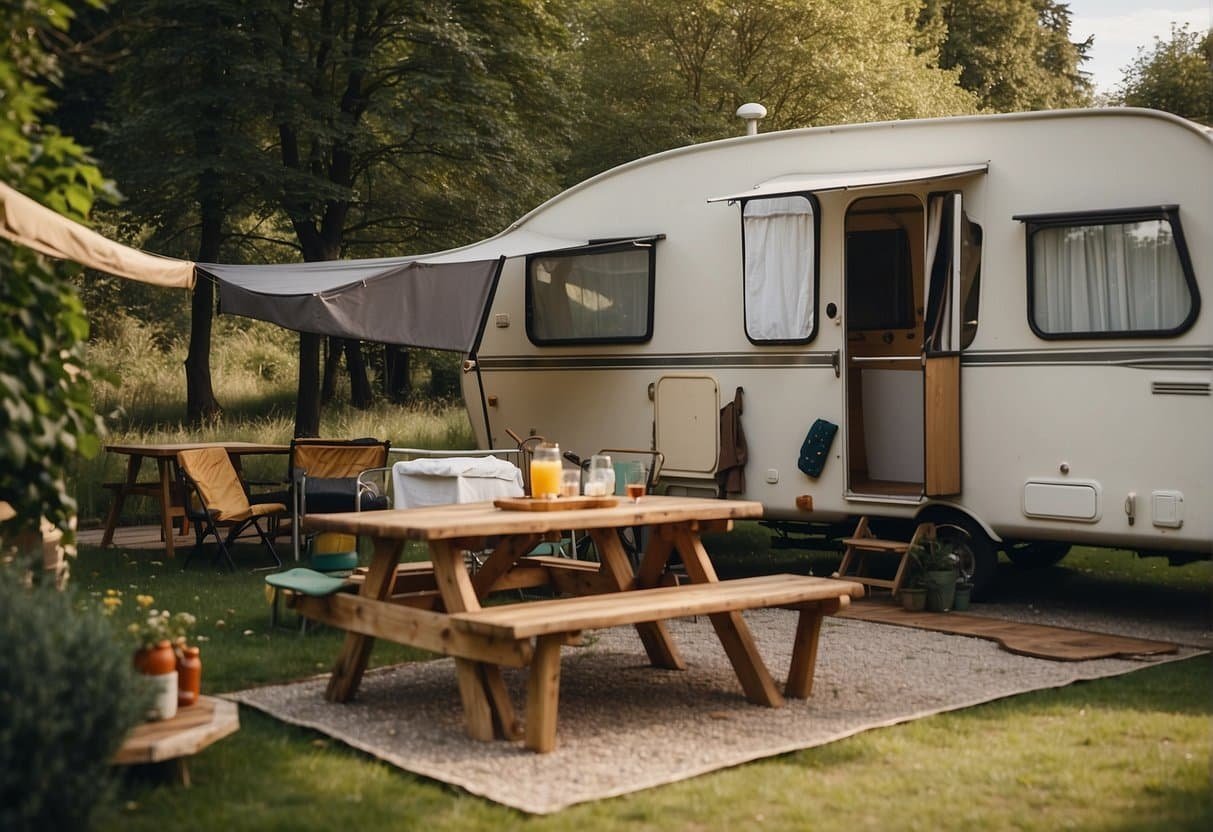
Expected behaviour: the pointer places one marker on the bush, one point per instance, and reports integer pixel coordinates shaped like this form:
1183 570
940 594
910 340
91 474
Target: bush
68 697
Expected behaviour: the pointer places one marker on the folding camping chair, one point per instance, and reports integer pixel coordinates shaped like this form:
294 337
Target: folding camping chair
208 475
324 479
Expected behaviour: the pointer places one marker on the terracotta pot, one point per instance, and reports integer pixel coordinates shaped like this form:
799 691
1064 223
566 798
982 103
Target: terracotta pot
913 599
189 677
159 665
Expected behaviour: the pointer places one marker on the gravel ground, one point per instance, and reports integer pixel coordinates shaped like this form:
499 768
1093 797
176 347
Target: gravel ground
625 726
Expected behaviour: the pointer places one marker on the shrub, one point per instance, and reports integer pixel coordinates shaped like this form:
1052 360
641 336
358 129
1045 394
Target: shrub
68 697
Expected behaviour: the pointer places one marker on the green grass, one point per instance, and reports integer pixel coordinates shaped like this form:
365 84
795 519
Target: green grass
1131 752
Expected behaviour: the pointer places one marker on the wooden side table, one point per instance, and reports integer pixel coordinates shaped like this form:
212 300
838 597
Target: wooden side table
171 741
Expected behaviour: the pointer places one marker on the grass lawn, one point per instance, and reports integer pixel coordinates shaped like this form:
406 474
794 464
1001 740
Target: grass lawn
1132 752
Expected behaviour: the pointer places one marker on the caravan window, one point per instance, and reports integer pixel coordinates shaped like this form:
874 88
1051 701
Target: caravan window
599 294
779 239
1110 273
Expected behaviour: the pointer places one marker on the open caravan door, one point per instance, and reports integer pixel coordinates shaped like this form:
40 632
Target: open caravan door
953 244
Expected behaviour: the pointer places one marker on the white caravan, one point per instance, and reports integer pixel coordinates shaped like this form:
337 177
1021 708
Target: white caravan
1001 315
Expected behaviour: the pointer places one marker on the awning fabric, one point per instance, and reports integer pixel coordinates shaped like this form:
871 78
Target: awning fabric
432 300
798 183
28 223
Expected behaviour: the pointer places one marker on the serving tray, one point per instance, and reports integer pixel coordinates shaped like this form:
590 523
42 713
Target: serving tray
559 504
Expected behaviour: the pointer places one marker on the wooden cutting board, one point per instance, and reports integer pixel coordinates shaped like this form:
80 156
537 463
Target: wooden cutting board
559 504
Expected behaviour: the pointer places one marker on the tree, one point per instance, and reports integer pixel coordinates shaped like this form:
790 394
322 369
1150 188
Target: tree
46 419
180 70
664 73
1012 54
393 119
1176 76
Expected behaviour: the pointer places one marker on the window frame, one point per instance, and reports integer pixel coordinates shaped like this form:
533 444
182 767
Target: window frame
594 247
812 335
1113 216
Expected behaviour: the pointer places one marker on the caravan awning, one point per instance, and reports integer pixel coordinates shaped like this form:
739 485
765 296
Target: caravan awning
799 183
435 301
33 225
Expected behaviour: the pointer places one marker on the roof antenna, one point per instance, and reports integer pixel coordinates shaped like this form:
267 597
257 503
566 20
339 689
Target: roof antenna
751 113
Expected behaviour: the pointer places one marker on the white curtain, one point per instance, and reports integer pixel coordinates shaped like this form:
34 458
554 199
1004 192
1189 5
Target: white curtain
591 296
1108 278
779 279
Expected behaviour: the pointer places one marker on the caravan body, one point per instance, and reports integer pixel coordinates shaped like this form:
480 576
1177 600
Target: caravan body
1002 315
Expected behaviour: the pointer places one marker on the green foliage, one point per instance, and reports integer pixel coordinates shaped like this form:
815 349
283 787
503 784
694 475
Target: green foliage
933 555
46 419
1012 54
1176 76
664 73
1129 752
68 696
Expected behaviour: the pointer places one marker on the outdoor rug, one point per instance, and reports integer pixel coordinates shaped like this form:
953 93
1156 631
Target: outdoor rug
1045 642
625 726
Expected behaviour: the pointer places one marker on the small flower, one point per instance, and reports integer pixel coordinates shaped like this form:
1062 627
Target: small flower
144 601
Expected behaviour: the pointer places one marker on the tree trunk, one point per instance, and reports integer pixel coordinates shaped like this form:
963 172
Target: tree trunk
200 403
361 394
332 359
307 404
396 373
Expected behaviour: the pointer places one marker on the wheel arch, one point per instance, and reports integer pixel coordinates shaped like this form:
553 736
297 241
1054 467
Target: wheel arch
935 510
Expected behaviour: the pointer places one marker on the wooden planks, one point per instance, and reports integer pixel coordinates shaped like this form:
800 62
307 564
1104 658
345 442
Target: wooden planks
190 731
589 612
472 520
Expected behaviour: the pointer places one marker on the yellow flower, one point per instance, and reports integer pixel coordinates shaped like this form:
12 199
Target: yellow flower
145 601
111 602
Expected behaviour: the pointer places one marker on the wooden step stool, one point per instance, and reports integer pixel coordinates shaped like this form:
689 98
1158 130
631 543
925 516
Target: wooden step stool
865 543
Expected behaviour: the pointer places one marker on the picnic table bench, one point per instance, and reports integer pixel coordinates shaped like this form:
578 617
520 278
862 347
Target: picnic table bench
400 605
553 622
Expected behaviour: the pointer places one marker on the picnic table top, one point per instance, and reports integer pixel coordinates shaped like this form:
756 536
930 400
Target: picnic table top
172 448
482 519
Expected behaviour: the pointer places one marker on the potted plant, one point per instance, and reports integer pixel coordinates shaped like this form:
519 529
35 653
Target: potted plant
964 590
912 594
935 562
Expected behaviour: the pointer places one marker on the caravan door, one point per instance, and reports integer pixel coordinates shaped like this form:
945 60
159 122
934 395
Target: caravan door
905 264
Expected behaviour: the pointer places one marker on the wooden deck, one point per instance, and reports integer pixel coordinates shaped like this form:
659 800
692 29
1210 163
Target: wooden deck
148 538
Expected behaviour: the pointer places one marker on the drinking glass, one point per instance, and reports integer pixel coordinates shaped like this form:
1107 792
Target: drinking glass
570 482
545 472
600 481
635 478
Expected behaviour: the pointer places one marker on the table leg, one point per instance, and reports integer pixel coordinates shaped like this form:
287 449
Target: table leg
543 694
731 629
654 635
166 504
356 651
804 649
481 687
111 520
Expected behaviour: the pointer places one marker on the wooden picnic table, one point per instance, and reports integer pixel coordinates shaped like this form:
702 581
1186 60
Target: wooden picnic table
482 640
162 489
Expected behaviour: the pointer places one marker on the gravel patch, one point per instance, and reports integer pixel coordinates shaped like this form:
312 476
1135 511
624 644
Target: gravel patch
625 726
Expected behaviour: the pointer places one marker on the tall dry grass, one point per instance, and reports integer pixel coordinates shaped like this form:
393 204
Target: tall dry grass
139 385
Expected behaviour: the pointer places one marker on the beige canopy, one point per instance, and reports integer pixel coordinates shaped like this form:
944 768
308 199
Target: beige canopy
26 222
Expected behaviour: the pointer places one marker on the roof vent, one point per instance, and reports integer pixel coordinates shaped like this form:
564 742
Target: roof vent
751 113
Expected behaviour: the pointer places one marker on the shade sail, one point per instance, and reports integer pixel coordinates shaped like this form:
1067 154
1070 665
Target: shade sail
435 301
799 183
28 223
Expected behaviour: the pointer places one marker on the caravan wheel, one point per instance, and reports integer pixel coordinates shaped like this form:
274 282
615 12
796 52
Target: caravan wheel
978 557
1037 554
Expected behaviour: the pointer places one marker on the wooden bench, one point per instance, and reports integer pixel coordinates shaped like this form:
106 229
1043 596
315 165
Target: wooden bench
552 623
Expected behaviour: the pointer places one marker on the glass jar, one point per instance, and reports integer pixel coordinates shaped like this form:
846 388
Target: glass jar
545 472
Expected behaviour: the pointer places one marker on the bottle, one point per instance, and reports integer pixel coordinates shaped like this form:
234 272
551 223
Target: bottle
159 664
189 677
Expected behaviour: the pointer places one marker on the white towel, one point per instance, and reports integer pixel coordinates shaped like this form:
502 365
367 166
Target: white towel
456 479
